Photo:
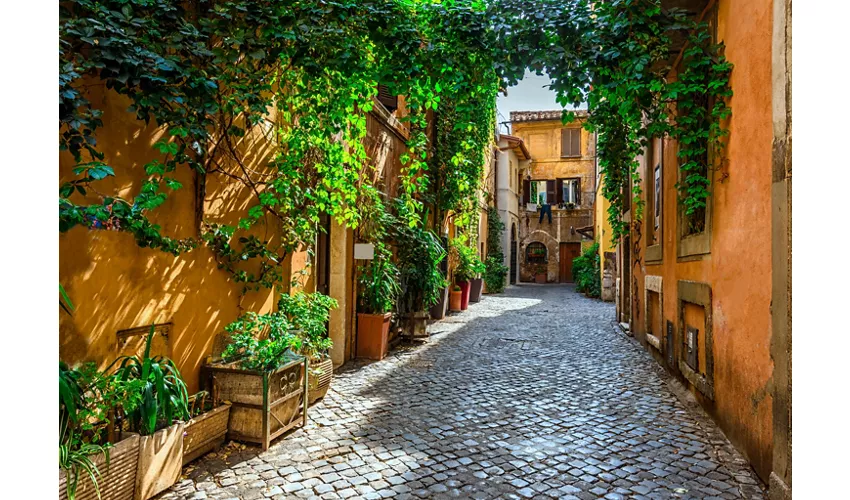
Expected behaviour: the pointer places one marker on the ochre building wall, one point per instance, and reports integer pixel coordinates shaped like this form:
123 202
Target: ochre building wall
737 269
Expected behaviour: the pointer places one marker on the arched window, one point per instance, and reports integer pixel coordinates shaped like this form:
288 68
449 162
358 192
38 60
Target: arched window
535 253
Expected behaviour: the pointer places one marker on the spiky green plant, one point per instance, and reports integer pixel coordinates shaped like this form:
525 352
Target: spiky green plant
164 394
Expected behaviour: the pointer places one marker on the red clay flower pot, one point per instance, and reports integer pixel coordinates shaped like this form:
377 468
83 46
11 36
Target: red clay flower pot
372 335
464 298
455 299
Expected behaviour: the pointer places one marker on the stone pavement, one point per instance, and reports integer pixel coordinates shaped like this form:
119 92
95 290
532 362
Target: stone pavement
528 394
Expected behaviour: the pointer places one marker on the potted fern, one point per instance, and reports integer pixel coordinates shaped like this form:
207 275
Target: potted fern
377 291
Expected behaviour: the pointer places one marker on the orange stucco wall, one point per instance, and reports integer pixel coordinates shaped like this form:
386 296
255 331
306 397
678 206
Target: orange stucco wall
738 265
116 285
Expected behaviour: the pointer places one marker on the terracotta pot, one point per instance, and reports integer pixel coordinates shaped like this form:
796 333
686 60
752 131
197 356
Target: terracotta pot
455 299
160 461
475 288
372 335
540 278
464 299
438 310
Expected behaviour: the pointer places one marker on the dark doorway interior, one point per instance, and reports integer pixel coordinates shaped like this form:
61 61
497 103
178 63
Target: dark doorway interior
513 254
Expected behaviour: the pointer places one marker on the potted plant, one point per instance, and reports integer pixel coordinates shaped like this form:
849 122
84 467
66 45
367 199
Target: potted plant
540 273
207 427
466 269
309 314
263 375
456 297
90 466
438 310
476 284
158 417
419 254
377 291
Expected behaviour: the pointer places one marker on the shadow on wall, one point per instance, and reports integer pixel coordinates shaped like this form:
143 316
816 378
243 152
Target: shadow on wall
116 285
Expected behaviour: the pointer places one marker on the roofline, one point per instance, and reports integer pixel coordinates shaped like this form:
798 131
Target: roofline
513 138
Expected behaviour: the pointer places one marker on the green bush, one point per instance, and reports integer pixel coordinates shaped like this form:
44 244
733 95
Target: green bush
495 270
586 272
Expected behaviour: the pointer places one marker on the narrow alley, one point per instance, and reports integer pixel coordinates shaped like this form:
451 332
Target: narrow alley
539 396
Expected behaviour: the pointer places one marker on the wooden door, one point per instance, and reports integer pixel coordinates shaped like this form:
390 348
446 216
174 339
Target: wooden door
568 252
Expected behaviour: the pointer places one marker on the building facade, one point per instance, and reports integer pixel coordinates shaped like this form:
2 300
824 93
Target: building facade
709 298
512 159
558 191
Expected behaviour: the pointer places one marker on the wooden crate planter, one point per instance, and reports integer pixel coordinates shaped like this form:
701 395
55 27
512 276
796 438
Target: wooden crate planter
116 482
160 461
205 433
264 405
320 379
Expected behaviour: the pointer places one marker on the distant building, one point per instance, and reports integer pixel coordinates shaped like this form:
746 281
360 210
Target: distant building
558 192
512 159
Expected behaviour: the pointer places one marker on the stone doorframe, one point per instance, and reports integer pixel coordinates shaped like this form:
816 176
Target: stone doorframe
698 294
653 284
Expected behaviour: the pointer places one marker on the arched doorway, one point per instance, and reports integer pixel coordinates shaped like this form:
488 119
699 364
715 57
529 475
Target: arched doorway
513 266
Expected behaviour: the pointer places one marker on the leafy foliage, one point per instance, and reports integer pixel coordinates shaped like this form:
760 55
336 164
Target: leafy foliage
495 270
164 396
264 342
378 285
586 271
469 265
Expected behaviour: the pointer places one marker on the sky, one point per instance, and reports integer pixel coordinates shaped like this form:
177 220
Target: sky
530 94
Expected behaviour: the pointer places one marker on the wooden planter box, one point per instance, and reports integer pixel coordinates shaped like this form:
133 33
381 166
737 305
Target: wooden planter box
205 433
160 461
265 405
416 325
319 379
116 482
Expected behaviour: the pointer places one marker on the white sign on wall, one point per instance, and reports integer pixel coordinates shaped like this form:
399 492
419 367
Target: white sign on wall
364 251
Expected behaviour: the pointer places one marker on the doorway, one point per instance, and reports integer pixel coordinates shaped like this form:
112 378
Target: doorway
513 265
568 252
323 255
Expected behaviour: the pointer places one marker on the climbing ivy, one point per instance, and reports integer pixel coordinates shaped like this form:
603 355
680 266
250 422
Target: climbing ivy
215 75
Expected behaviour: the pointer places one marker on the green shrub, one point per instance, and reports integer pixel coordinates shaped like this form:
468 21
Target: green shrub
586 272
495 270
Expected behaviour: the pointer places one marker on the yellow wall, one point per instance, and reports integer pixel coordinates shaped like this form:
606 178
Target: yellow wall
602 231
543 140
117 285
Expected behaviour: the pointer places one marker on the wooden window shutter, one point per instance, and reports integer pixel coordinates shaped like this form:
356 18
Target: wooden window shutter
559 191
550 192
526 191
578 193
575 148
386 98
565 142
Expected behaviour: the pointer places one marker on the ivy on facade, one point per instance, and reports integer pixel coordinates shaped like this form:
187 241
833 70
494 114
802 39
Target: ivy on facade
302 76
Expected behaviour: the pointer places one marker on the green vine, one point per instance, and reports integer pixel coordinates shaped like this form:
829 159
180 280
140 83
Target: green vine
301 76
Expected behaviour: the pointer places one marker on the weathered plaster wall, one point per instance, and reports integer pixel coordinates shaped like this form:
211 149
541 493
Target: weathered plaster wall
116 285
543 140
738 267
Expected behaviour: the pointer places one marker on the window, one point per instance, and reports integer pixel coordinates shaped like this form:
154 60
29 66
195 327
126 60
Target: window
535 253
570 142
389 100
538 192
654 161
571 191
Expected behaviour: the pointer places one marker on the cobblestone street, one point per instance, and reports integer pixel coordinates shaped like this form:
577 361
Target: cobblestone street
528 394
